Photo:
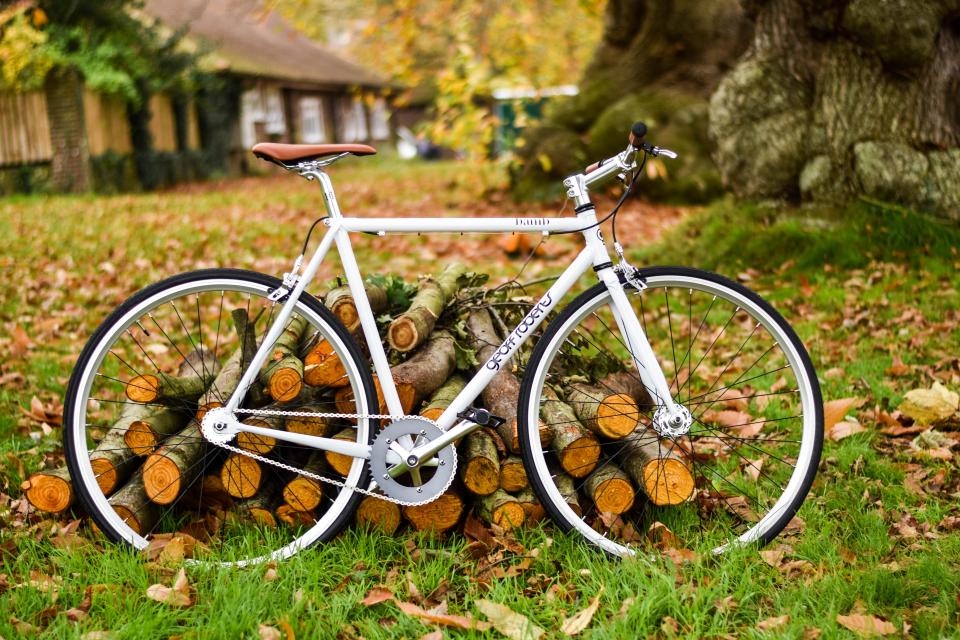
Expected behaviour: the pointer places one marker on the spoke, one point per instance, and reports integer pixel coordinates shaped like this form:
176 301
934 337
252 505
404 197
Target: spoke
673 348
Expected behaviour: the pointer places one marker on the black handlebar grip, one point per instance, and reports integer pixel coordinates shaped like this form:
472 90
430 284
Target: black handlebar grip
637 134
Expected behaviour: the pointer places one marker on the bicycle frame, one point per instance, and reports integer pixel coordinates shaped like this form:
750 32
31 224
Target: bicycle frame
594 254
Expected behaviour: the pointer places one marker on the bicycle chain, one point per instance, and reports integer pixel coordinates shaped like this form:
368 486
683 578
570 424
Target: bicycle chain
332 481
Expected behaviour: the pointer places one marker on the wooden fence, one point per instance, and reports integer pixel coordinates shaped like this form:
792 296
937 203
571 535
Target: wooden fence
24 128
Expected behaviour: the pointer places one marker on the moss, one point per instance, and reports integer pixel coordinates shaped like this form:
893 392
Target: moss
902 32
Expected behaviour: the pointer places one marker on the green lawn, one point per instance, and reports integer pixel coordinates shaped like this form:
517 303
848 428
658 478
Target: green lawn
868 287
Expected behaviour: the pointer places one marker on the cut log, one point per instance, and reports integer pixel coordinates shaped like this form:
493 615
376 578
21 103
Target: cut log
337 461
311 426
222 386
374 513
256 443
443 396
170 469
247 335
576 448
145 435
343 398
207 494
241 475
501 396
607 414
322 367
134 507
341 302
479 464
426 370
259 509
610 490
411 328
196 371
440 515
293 518
113 461
658 469
501 509
628 383
282 374
513 475
304 493
50 490
532 508
568 489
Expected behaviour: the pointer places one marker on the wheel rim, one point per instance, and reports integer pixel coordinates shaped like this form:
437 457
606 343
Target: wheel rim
715 400
124 352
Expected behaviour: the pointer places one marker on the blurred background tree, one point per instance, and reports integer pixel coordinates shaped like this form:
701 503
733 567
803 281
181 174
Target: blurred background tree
454 53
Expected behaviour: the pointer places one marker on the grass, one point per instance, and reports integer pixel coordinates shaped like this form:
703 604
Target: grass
864 286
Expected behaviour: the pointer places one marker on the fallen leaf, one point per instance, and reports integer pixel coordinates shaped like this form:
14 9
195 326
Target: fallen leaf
270 575
929 406
78 613
580 621
775 622
866 625
433 635
268 633
508 622
445 619
834 374
835 410
844 429
897 368
177 596
377 595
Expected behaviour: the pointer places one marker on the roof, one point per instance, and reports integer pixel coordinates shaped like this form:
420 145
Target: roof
250 41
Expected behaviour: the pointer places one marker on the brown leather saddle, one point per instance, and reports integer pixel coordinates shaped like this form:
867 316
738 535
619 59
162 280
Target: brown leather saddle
288 155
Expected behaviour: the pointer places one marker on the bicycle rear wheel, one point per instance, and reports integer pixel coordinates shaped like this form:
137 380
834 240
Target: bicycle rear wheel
140 465
747 462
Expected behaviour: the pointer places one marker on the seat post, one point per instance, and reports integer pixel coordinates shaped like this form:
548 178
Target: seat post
326 186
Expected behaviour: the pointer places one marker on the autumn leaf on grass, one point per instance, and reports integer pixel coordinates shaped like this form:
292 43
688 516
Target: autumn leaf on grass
845 429
866 625
772 623
508 622
580 621
377 595
177 596
929 406
835 410
439 615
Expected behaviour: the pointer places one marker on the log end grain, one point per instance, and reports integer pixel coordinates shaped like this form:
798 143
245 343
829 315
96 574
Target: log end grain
294 518
322 367
240 476
106 473
50 492
161 478
481 476
314 426
206 406
614 495
617 416
375 513
141 438
509 515
668 481
440 515
254 442
580 457
143 388
302 493
513 476
286 380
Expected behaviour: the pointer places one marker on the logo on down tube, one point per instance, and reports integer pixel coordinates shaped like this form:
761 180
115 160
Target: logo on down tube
520 333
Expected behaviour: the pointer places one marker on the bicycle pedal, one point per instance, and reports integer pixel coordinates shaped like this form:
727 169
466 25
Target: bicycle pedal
481 417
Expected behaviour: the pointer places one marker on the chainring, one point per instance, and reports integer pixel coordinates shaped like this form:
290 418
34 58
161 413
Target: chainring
404 487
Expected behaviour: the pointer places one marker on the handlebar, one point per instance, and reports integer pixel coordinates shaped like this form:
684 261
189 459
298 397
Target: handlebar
636 143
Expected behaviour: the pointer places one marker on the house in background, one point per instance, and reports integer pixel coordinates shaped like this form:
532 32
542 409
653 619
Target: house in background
279 86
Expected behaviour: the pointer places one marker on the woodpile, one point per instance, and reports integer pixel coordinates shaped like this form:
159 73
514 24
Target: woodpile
153 457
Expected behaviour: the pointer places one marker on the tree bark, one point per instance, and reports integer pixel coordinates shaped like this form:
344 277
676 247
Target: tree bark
501 396
443 396
50 490
282 374
411 328
532 509
259 509
113 461
501 509
480 465
145 435
341 302
134 507
223 385
172 467
427 369
836 98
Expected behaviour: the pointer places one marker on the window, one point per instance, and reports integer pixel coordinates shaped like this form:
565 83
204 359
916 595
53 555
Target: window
275 125
353 120
312 130
379 120
251 112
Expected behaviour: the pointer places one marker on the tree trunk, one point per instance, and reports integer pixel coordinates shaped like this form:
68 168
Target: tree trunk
144 436
171 468
113 461
479 463
134 507
440 515
322 367
341 302
223 385
259 509
503 393
374 513
427 369
845 97
241 476
501 509
611 415
532 509
411 328
303 493
50 490
337 461
282 374
568 489
256 443
658 470
658 61
576 448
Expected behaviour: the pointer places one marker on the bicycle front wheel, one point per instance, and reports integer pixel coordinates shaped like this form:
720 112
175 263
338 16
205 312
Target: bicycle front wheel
741 470
137 458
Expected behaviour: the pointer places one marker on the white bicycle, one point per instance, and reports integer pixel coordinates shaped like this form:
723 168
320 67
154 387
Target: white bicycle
718 434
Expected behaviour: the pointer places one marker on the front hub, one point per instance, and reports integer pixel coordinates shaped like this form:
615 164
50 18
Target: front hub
672 423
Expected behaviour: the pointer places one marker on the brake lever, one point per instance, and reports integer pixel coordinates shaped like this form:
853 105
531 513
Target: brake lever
659 151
